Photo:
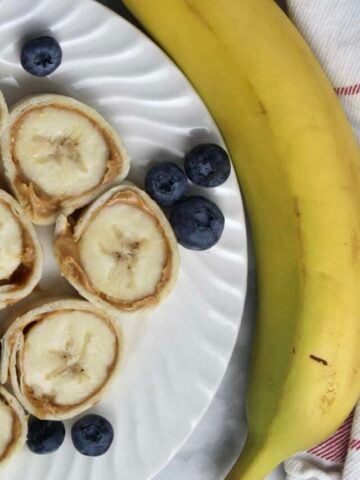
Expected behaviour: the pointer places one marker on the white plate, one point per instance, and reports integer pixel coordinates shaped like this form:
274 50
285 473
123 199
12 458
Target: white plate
178 356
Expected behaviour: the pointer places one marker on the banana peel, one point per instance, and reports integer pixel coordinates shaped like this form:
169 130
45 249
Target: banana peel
298 165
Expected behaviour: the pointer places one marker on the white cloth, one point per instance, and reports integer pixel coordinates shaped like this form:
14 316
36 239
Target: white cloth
332 29
338 458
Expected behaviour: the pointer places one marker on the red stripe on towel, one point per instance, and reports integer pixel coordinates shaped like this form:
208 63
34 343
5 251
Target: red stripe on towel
348 90
335 448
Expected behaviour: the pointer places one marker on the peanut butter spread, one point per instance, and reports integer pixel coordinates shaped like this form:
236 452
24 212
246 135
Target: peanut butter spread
16 429
67 252
35 201
21 275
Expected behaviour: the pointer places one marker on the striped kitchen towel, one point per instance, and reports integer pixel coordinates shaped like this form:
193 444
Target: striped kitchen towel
335 459
332 29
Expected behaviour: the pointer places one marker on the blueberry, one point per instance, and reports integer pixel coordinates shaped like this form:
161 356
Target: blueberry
41 56
92 435
207 165
45 436
197 222
166 183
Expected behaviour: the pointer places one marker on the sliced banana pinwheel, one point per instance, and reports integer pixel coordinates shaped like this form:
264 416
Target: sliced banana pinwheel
61 357
4 114
58 154
21 257
121 254
13 426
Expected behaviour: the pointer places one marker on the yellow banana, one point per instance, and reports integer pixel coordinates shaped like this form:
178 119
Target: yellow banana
299 169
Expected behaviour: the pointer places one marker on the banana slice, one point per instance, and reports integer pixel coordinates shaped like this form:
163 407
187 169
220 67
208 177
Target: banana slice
13 429
61 357
21 257
121 254
4 114
59 154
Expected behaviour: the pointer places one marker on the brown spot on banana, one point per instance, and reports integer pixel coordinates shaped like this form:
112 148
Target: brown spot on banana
326 401
263 109
319 360
331 388
296 207
297 212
